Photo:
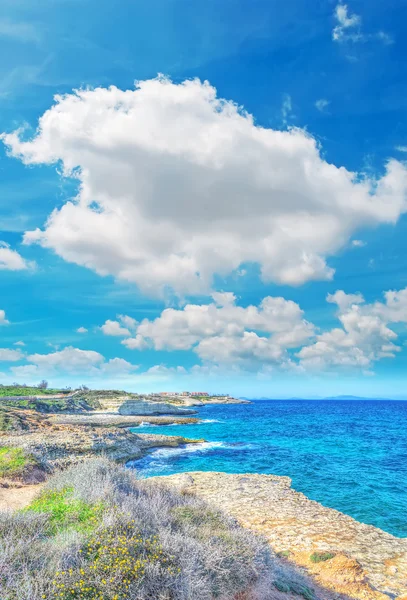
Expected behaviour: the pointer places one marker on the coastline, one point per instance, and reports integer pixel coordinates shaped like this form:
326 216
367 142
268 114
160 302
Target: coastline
367 563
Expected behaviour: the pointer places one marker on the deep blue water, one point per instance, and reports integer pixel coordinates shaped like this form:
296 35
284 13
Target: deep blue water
348 455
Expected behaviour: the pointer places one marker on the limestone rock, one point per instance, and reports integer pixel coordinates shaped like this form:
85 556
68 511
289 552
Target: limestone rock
141 408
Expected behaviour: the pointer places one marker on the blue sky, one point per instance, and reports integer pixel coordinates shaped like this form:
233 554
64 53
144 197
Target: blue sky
244 235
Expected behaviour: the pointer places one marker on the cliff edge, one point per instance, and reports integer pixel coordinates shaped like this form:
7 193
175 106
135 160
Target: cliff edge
352 558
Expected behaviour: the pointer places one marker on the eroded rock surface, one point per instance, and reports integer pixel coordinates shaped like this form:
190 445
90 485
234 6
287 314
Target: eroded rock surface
369 564
139 407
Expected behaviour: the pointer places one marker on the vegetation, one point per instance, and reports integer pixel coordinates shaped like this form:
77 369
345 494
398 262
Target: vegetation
23 390
65 511
95 532
51 405
10 421
296 588
14 461
317 557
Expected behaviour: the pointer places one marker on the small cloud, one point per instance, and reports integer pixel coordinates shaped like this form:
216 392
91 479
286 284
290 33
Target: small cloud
385 38
286 109
9 355
322 104
358 243
114 328
348 27
3 320
19 343
135 343
10 260
81 330
401 148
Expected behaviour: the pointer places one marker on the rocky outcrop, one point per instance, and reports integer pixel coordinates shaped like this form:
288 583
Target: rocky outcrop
61 440
104 419
365 563
139 407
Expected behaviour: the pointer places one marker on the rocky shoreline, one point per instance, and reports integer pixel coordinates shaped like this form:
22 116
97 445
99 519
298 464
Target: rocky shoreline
359 561
365 562
56 441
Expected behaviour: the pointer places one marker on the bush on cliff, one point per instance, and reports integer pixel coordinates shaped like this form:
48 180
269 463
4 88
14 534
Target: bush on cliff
14 461
139 543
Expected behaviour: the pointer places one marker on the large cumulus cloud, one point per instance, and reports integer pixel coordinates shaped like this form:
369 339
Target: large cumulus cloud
177 184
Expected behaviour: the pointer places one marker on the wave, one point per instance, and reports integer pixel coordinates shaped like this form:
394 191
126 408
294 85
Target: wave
158 460
211 421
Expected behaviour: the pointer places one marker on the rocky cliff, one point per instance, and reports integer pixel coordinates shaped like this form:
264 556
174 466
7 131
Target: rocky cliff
139 407
357 560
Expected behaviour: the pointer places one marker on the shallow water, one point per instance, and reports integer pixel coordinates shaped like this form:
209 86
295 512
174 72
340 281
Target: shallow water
348 455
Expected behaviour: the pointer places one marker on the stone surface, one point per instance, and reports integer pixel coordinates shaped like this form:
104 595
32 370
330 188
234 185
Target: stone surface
60 440
369 564
139 407
106 419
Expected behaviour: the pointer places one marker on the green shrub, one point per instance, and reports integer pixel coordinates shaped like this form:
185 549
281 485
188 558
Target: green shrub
317 557
13 461
115 563
295 588
65 511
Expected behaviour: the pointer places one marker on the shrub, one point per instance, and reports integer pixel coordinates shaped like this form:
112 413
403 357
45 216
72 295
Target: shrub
14 461
115 565
317 557
65 511
95 532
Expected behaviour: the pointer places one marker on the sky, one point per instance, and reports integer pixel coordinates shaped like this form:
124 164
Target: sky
204 195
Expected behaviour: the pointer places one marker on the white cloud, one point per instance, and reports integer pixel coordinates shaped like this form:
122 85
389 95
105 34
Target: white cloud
222 332
122 327
6 354
365 336
358 243
11 260
68 359
401 148
20 343
177 185
275 336
117 366
286 108
74 361
26 371
127 321
114 328
3 320
81 330
349 28
322 104
135 343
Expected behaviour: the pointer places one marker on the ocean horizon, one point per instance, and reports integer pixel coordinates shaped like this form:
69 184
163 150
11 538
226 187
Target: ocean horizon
347 454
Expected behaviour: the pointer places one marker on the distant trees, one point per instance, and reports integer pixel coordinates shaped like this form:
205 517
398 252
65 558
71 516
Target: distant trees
84 388
43 385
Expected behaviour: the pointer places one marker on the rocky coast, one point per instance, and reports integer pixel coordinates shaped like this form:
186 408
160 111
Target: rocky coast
342 558
56 441
354 560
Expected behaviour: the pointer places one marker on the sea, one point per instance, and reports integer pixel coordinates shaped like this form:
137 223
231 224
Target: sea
350 455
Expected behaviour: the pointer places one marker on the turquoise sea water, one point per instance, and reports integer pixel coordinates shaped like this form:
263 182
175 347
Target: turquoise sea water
348 455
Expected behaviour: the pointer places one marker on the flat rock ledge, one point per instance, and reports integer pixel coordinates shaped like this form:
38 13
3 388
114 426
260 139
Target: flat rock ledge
369 564
141 408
